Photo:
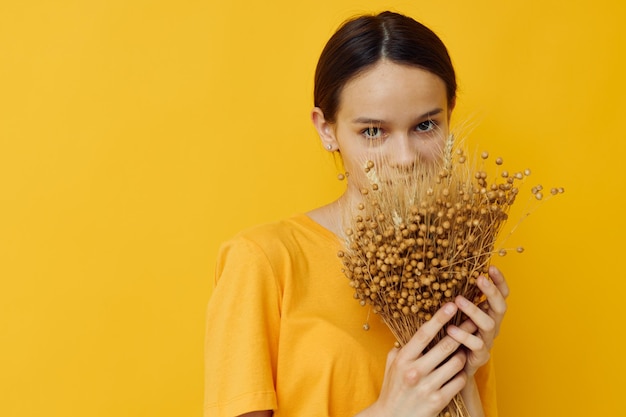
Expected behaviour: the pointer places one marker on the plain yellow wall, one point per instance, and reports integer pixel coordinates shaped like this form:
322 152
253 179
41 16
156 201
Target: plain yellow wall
135 136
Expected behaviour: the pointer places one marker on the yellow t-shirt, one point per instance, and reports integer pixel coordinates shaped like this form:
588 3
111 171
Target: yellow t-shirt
285 334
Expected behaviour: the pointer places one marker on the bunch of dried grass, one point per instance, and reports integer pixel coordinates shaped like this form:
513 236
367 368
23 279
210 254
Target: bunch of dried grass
421 238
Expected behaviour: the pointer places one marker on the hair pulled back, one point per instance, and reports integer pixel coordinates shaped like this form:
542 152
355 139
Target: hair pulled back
363 41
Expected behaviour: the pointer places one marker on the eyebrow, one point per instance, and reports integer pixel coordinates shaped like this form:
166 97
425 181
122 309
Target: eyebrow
371 121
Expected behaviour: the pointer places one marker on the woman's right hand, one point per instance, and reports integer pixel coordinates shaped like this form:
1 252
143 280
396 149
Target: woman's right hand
418 384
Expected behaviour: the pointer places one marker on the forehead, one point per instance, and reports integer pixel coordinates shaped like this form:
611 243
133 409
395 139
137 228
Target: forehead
387 88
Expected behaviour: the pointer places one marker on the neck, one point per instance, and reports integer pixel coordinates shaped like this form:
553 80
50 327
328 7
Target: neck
331 216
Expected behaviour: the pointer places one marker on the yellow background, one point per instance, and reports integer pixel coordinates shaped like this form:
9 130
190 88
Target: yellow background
135 136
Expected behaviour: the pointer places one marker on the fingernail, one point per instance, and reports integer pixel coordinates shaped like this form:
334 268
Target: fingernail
449 308
453 330
486 282
462 301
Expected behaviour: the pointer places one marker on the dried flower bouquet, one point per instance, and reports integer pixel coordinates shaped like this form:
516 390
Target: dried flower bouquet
420 238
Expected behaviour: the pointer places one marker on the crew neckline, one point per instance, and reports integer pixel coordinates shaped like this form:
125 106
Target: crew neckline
311 224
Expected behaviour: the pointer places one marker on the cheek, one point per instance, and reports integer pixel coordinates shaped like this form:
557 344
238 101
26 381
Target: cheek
355 166
354 162
352 153
433 149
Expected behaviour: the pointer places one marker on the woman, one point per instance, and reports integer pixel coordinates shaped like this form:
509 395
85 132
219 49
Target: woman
283 336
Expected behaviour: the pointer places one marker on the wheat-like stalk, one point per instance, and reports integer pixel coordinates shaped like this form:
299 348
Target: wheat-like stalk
421 236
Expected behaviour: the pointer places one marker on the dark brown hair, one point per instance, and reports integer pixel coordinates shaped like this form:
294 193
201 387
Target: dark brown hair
361 42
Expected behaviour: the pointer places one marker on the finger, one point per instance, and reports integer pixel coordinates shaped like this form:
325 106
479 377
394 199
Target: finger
439 354
468 326
426 333
477 349
453 382
485 323
447 370
466 338
421 369
453 387
495 298
499 281
391 356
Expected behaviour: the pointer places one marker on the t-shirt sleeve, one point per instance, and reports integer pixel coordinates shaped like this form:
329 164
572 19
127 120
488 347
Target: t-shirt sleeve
243 322
486 382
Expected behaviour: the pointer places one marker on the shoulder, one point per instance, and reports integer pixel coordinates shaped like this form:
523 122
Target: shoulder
276 244
287 235
281 247
270 233
262 256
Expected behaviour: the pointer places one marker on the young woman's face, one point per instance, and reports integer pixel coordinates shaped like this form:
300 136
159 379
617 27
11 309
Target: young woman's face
393 112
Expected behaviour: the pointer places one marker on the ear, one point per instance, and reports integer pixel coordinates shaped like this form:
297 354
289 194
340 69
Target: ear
325 130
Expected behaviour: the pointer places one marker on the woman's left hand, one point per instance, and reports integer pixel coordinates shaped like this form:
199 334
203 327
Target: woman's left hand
483 324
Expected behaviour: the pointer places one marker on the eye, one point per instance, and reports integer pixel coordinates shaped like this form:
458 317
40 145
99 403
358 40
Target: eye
372 133
426 126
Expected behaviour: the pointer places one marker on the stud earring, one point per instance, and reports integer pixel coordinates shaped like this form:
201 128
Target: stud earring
329 147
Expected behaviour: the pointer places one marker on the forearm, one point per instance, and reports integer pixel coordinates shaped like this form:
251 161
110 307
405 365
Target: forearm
471 398
370 411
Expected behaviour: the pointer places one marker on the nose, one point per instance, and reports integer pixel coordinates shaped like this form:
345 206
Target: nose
403 152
